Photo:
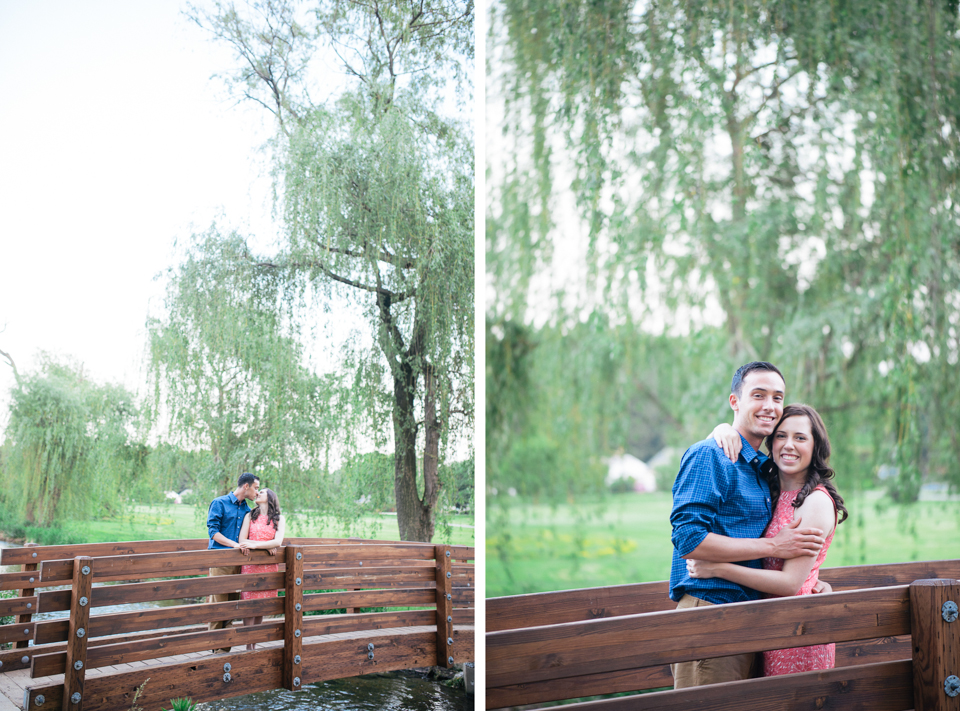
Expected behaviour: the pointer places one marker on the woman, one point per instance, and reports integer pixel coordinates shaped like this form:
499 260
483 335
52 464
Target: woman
800 482
262 528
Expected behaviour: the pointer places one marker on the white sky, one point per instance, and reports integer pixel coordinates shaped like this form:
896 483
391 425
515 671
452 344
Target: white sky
114 142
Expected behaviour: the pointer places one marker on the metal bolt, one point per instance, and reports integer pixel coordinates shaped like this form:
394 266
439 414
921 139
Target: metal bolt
226 677
448 554
449 618
949 611
449 574
449 596
24 659
449 660
951 686
39 699
296 633
299 556
26 631
370 647
369 655
85 570
83 601
32 579
81 632
227 667
35 555
78 665
361 563
449 640
296 681
298 581
75 699
29 605
296 659
298 607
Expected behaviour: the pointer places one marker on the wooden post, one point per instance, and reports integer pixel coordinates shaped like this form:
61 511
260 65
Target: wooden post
293 620
444 606
26 592
76 670
935 632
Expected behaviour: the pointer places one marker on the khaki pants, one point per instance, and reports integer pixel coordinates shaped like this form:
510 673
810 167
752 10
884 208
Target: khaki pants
711 671
223 597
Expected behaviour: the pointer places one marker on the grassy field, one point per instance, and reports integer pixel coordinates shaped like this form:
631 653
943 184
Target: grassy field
626 539
150 523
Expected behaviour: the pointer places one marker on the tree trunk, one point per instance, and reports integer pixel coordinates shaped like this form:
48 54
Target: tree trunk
414 516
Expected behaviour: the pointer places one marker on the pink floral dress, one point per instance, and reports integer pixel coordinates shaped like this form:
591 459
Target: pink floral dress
260 530
797 659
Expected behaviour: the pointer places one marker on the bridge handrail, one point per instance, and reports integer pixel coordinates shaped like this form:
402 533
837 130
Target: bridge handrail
602 642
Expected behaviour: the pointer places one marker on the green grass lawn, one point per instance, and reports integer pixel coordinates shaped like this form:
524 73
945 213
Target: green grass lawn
626 539
150 523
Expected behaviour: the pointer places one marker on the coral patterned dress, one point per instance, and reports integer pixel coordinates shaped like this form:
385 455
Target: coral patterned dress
260 530
797 659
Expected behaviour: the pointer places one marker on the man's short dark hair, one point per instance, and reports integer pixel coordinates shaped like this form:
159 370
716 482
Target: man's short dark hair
736 387
246 478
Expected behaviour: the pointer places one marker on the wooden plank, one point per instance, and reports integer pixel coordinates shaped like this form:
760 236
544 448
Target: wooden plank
411 597
313 555
464 616
23 617
293 628
198 640
15 632
155 565
76 655
203 679
25 606
444 612
873 576
22 580
156 591
317 625
878 687
936 643
634 641
162 617
885 649
534 610
39 554
367 577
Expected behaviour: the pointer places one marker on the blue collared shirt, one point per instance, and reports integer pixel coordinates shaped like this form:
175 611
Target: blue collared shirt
226 516
714 495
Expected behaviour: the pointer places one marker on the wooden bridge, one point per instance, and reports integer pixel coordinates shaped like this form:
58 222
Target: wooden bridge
422 597
896 629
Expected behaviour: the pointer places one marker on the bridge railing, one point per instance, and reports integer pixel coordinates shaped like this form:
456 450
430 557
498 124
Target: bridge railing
895 649
422 617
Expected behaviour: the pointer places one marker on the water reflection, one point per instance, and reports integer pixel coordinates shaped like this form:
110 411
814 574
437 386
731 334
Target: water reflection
395 691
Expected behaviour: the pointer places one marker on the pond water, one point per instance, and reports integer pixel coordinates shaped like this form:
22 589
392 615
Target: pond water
390 691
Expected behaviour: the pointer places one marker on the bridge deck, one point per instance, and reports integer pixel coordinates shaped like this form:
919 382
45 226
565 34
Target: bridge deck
14 683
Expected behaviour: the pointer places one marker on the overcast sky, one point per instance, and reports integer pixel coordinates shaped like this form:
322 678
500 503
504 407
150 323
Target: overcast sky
114 142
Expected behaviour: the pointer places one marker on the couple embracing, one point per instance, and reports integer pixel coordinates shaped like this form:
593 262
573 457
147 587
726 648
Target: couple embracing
748 525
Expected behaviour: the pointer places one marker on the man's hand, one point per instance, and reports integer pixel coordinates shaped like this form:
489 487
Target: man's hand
700 569
794 542
822 586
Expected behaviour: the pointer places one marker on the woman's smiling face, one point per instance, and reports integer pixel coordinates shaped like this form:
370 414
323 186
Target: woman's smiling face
793 446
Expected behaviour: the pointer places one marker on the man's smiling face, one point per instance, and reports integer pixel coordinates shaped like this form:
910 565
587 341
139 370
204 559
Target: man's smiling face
759 405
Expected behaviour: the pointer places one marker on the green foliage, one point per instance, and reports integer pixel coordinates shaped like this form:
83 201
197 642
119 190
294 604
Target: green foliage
775 179
181 704
375 189
70 451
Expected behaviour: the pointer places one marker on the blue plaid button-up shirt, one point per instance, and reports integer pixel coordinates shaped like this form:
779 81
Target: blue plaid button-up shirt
226 516
714 495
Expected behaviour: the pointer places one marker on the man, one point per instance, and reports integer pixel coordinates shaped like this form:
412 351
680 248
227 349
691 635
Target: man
720 510
224 521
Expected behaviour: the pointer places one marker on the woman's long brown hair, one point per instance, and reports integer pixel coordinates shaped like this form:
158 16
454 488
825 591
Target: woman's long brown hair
819 472
273 509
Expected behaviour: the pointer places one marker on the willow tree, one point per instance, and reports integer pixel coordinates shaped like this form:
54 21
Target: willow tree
229 375
375 188
793 164
72 452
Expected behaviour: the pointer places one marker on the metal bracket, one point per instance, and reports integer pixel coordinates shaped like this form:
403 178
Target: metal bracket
949 611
